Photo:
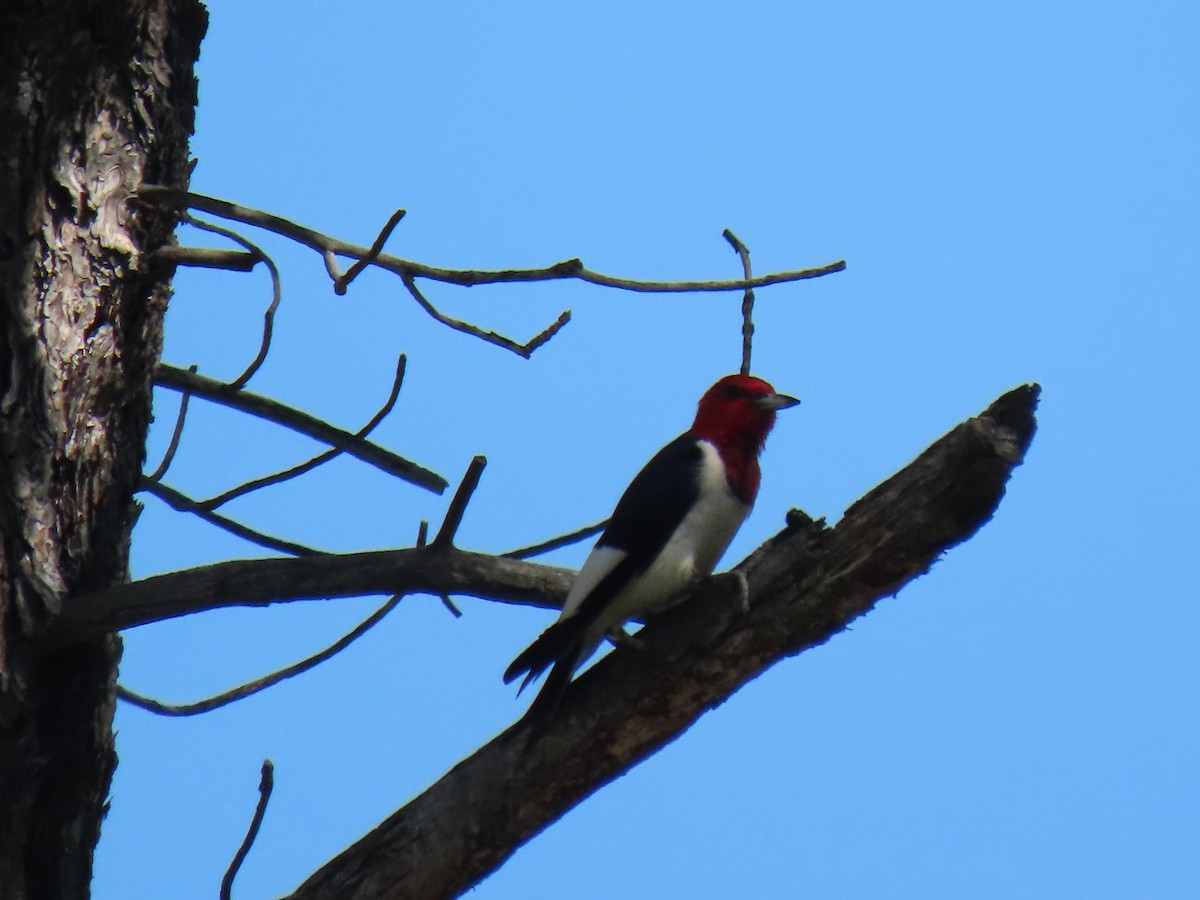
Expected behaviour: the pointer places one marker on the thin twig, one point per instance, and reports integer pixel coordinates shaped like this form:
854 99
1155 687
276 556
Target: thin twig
265 786
458 505
747 299
329 247
260 684
183 503
341 283
422 539
276 294
554 543
206 258
454 515
523 350
173 446
331 265
318 460
274 411
568 269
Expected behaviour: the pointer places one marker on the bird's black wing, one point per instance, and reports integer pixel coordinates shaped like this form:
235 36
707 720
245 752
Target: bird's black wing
656 501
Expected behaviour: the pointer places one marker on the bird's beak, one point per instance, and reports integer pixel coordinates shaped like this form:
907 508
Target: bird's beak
776 401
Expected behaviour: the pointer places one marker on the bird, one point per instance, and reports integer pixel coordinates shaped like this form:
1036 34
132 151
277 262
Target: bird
670 528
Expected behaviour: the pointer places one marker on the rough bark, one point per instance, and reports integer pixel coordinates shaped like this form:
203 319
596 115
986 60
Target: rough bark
95 98
805 585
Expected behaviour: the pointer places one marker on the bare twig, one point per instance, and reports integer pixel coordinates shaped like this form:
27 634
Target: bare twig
331 264
318 460
265 408
567 269
422 539
454 514
565 540
183 503
265 786
458 505
260 684
330 247
747 299
173 446
276 294
524 350
207 258
342 282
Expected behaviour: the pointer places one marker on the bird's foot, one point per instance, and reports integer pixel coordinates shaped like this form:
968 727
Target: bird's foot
619 637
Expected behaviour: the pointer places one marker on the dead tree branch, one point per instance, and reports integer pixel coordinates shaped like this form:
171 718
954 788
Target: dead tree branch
262 582
805 585
568 269
458 505
274 411
265 786
321 458
276 294
260 684
173 446
330 248
523 350
564 540
207 258
341 282
433 570
743 253
182 503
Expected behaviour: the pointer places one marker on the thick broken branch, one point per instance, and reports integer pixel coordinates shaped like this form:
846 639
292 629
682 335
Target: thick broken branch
806 584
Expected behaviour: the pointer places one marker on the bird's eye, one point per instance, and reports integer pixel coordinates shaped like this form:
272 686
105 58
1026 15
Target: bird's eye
733 392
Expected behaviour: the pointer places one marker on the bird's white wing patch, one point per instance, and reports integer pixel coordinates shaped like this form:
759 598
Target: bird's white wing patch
599 563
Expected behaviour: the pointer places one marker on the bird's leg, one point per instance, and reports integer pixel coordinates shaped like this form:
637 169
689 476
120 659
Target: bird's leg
619 637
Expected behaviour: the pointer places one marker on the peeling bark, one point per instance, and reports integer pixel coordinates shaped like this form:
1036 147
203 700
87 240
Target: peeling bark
95 98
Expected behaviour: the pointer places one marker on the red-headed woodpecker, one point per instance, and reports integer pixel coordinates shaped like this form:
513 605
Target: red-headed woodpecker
670 527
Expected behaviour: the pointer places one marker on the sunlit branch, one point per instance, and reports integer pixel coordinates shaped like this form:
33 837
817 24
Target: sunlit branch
524 350
571 268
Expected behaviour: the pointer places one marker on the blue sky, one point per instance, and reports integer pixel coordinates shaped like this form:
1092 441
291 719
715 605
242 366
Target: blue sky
1014 188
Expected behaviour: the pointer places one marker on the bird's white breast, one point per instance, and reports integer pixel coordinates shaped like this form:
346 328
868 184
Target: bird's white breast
693 550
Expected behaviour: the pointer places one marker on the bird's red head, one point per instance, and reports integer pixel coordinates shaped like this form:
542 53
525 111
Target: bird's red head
738 412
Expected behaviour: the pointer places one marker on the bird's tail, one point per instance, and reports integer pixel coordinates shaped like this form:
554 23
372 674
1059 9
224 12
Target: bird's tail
560 646
546 702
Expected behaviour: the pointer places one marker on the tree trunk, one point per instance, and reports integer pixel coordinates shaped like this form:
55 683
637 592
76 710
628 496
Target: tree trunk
95 98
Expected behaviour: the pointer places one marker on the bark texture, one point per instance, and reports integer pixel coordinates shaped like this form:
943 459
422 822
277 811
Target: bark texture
805 585
95 98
